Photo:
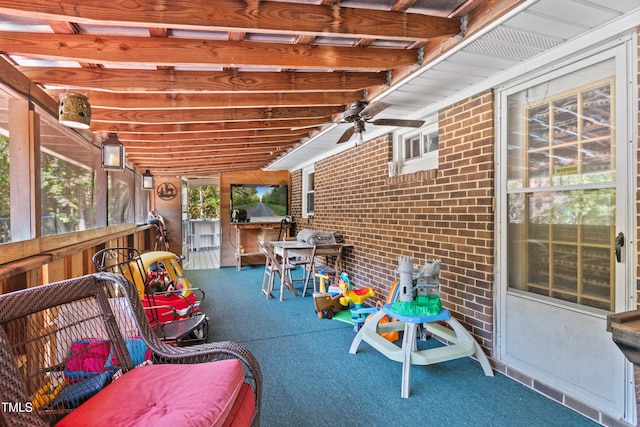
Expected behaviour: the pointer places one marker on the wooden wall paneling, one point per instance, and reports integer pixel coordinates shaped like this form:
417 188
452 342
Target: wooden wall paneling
74 264
169 209
15 283
56 271
33 277
87 262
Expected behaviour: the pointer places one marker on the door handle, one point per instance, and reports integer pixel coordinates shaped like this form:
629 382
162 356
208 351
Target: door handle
619 245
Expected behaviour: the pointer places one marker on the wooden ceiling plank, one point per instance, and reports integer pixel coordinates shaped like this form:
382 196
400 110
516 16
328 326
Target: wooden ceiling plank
159 101
258 135
170 147
203 81
202 127
154 51
141 155
209 163
234 15
211 115
223 164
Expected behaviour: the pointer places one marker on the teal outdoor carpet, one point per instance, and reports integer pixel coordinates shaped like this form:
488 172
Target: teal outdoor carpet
310 379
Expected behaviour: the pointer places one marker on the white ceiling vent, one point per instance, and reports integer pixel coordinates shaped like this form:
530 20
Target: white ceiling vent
507 42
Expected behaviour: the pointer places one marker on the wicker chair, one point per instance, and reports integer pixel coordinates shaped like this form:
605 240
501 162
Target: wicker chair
53 343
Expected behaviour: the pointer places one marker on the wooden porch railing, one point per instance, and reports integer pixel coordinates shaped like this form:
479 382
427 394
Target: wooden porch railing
53 258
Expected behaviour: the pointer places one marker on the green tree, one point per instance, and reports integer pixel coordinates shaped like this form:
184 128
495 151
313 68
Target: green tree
204 202
67 195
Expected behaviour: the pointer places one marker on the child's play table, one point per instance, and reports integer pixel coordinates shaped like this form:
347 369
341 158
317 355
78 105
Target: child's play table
460 343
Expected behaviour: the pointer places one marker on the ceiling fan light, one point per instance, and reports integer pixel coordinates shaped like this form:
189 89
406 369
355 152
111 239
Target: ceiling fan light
359 139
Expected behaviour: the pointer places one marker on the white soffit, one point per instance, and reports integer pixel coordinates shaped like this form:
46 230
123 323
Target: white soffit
536 29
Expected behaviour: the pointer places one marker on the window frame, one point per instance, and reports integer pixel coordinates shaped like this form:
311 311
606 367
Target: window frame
422 161
308 180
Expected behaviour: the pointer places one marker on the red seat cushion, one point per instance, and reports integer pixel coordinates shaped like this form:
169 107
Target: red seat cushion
201 394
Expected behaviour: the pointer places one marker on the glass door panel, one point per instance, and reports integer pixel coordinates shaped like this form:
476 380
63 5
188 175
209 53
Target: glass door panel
561 188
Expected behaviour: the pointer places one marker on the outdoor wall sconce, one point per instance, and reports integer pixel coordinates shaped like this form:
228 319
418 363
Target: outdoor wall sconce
147 180
74 111
112 153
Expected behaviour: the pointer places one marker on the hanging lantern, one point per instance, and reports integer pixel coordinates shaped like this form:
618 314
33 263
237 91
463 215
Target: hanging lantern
113 153
147 180
74 111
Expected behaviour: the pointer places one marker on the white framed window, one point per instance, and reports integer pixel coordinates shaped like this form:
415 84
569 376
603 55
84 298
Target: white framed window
308 188
417 149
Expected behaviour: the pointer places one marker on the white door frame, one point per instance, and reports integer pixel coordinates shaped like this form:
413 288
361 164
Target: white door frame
624 49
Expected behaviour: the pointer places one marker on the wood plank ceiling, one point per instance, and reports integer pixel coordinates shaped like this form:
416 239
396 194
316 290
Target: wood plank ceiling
198 87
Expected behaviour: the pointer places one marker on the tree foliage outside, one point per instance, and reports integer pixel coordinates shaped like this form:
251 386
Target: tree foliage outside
68 202
204 202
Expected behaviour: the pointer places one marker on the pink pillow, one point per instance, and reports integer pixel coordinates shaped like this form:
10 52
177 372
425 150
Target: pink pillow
200 394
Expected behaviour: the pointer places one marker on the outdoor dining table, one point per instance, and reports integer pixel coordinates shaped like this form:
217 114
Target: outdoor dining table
286 249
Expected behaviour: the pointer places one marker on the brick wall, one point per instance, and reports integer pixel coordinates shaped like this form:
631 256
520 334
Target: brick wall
445 214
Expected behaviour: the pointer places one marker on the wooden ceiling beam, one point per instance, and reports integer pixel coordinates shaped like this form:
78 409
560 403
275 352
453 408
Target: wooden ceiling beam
237 16
210 115
210 160
203 127
257 135
202 162
156 51
159 101
194 152
209 144
202 81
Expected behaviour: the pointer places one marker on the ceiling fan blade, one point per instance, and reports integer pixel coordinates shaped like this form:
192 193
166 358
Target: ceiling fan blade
373 109
346 135
398 122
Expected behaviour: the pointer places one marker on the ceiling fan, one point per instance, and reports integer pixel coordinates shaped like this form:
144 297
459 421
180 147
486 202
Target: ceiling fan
361 112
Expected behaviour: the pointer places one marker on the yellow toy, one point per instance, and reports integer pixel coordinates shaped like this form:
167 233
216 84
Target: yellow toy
46 394
323 277
355 296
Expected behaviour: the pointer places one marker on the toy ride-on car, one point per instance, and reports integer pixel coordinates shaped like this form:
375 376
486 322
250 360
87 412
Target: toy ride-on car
171 304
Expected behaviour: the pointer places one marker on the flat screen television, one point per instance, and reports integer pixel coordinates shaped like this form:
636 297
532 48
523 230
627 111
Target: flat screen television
259 202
